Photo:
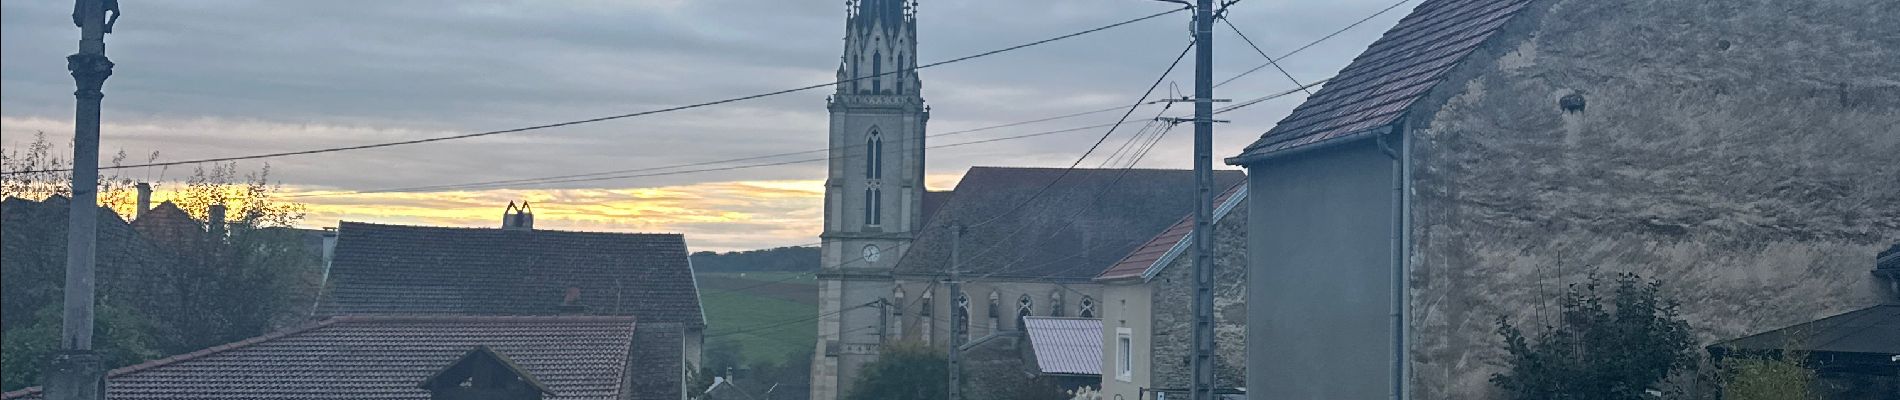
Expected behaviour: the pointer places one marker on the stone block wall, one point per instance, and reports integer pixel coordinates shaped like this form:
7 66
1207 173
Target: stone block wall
1743 152
1174 318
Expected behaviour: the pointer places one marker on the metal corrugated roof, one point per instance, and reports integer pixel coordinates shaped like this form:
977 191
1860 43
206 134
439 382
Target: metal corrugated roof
1066 345
1872 330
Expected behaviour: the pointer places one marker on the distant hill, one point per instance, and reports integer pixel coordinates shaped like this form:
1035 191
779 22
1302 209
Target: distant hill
787 259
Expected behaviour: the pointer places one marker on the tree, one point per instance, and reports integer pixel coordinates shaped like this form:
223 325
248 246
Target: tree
903 372
122 337
1615 340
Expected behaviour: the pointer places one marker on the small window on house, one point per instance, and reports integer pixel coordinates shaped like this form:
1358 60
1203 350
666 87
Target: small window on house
1124 354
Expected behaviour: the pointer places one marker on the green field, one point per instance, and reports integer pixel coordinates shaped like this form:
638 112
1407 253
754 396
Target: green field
772 318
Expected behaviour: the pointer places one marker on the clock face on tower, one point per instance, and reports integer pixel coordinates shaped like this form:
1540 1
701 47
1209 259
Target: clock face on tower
871 253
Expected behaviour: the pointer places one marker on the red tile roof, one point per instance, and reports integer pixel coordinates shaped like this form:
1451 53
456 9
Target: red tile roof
1156 252
383 357
393 269
1398 69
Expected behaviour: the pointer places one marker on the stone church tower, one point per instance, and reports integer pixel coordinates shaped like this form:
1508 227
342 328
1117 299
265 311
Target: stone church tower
874 192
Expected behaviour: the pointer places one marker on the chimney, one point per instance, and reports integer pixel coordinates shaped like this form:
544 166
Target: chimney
518 218
145 199
329 253
571 304
216 223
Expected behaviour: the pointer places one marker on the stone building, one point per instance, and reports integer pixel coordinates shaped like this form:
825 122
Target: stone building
1147 314
1485 154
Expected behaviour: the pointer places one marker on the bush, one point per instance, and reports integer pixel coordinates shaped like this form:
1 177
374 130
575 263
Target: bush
904 372
1768 378
1615 340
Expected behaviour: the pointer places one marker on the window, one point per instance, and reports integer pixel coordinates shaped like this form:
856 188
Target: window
1088 307
1124 354
1055 303
902 69
962 319
1023 305
877 72
897 314
870 206
874 156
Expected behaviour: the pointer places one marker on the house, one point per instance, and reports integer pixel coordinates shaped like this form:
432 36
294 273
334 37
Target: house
132 270
1147 307
1483 155
411 357
381 269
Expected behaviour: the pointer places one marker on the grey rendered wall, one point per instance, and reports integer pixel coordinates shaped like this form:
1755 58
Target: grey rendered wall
1744 152
1126 306
1320 276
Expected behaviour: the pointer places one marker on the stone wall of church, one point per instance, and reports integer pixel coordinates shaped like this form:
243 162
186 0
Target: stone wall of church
1742 152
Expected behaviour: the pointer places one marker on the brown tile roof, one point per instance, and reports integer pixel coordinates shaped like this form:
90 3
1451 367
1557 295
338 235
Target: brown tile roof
1148 258
383 357
1087 220
383 269
1384 81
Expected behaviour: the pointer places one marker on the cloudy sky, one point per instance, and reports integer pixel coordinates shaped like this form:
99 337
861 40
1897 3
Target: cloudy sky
210 78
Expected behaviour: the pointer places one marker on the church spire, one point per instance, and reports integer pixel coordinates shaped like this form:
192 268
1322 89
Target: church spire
880 48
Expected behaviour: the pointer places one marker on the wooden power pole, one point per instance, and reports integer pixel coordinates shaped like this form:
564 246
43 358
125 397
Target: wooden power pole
76 372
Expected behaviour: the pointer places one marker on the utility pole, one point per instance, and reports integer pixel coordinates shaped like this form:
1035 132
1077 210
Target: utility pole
76 372
956 313
1202 387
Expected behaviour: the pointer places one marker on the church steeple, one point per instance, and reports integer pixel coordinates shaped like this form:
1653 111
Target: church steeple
880 48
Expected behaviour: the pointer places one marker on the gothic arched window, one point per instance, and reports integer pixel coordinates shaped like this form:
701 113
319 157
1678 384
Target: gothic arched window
924 308
871 215
1023 306
874 156
1088 307
902 70
962 318
877 72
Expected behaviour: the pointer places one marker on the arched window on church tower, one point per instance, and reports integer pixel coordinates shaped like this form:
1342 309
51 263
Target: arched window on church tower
877 72
1023 306
872 216
874 156
1088 307
902 70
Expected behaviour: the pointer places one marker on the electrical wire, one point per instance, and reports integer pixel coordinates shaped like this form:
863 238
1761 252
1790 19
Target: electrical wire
1272 60
627 115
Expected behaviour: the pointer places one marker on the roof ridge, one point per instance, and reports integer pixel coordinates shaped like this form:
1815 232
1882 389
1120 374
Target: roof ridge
478 228
422 317
191 355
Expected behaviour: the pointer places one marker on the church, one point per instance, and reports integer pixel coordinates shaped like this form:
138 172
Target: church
1031 242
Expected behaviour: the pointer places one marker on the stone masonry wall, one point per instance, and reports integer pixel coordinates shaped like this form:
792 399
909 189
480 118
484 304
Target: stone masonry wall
1745 152
1174 318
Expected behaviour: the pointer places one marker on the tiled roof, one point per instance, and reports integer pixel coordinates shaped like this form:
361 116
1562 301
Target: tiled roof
384 357
1066 345
1087 220
933 201
1872 330
658 360
1151 256
381 269
1384 81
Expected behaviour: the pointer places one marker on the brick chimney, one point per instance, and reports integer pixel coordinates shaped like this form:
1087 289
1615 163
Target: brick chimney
518 218
145 199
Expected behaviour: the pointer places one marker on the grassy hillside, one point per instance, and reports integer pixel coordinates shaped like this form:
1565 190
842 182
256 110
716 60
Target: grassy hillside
769 316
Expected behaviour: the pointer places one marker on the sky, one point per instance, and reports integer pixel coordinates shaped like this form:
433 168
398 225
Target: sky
213 78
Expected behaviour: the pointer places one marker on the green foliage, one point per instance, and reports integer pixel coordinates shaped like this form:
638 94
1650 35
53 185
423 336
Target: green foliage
904 372
1616 340
798 259
745 318
1768 378
119 334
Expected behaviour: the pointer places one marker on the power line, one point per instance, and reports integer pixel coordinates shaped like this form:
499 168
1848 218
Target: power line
634 114
1263 54
1098 141
1272 60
